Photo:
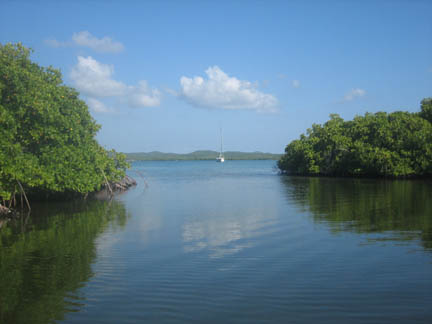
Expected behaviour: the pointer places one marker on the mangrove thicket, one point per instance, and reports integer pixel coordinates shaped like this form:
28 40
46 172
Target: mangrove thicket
397 144
47 135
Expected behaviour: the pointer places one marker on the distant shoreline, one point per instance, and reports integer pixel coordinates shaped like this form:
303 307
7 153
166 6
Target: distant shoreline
200 156
162 160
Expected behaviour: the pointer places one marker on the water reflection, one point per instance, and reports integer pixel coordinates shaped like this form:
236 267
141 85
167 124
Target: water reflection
47 257
400 209
222 236
233 225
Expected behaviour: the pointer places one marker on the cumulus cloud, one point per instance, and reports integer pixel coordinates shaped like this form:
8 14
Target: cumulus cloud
95 80
143 96
354 94
97 106
221 91
86 39
296 83
104 45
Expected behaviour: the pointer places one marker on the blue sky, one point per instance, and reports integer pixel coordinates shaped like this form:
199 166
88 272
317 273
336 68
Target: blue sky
166 75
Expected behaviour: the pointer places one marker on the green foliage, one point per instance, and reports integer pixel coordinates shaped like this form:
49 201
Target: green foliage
47 135
426 109
398 144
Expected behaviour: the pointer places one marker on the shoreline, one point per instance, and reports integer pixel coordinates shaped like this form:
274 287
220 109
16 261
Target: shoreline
107 190
358 176
226 159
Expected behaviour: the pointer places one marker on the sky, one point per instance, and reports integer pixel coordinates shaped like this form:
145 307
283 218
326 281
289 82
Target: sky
169 75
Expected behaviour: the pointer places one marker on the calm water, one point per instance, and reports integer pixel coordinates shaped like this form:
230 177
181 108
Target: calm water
224 243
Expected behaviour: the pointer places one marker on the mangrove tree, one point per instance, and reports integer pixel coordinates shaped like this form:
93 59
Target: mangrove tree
47 135
397 144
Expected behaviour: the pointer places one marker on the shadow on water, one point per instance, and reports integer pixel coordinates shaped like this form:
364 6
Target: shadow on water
46 257
400 209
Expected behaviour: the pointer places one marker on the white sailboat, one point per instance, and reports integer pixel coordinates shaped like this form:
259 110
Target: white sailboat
221 157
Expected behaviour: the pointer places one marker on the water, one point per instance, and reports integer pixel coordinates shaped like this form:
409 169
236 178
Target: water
202 242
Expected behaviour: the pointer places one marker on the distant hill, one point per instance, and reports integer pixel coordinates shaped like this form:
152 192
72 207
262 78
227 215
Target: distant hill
201 155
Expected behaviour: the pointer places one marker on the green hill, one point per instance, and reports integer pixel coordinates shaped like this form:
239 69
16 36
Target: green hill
201 155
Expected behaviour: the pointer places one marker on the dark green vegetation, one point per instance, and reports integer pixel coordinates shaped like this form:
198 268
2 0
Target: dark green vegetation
47 136
397 144
201 155
46 257
396 209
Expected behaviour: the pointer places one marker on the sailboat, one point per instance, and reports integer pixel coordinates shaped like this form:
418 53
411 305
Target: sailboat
221 157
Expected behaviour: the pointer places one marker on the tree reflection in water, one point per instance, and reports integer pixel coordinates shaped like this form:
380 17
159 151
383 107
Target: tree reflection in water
400 209
46 257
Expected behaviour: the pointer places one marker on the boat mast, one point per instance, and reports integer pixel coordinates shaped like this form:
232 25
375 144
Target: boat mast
221 150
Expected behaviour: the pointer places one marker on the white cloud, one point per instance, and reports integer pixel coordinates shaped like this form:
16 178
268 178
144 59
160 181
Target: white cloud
221 91
97 106
86 39
353 94
95 80
296 83
143 96
104 45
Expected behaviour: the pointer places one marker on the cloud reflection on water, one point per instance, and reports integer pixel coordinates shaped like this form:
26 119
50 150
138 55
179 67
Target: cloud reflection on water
227 233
